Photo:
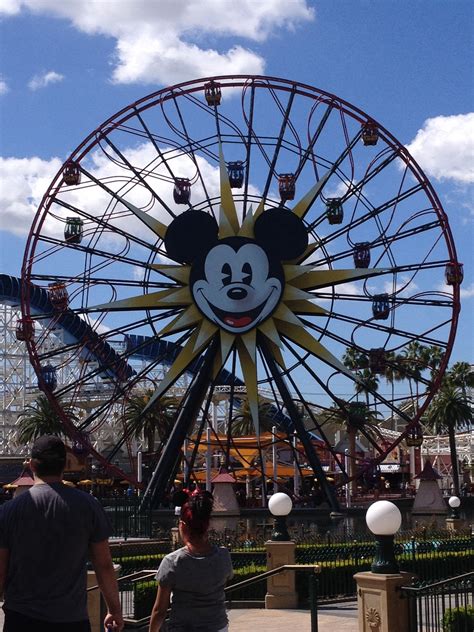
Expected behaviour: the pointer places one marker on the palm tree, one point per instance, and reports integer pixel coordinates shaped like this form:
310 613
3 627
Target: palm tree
156 420
242 421
435 357
462 376
40 418
448 412
368 383
414 360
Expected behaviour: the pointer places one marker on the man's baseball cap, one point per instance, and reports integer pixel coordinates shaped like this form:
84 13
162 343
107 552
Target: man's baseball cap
48 448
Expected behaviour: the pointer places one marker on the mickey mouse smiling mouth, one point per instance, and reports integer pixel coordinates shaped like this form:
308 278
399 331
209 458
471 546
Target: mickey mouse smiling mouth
234 288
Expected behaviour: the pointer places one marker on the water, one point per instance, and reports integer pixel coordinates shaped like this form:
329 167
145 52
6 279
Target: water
314 523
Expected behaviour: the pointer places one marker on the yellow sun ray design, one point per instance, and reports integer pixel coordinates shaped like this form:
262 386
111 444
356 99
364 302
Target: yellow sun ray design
274 331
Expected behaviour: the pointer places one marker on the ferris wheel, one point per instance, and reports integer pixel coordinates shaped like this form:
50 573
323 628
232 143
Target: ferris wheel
253 232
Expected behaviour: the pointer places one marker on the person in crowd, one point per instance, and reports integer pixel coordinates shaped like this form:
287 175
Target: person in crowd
193 577
46 536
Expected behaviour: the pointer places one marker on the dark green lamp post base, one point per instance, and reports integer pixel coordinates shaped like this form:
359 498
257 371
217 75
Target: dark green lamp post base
385 562
280 530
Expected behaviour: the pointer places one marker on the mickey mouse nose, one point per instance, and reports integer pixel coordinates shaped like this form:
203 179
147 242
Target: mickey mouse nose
237 293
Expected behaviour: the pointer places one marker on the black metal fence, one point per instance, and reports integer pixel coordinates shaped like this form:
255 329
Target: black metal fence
126 519
445 606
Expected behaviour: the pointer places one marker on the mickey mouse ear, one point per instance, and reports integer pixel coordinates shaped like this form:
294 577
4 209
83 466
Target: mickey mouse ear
281 233
189 235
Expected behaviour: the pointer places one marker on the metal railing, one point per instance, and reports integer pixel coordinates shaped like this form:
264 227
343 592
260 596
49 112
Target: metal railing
128 585
445 606
312 586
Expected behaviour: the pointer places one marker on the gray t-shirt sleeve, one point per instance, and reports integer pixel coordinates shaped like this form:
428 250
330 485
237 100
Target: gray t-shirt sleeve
166 574
101 528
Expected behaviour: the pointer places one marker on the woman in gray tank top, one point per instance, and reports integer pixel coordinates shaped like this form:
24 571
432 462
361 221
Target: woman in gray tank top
193 578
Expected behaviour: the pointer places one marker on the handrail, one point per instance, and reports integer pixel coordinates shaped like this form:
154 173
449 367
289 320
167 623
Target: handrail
280 569
136 576
313 568
443 582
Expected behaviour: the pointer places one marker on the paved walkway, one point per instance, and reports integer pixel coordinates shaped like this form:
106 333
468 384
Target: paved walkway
337 618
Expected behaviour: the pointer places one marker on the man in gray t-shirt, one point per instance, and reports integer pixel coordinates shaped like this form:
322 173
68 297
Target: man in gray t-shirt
46 536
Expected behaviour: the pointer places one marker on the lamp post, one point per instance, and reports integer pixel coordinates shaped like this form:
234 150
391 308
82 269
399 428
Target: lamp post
380 602
280 505
384 519
281 590
454 502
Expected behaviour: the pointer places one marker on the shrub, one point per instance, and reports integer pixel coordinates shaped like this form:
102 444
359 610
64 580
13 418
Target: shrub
144 595
459 619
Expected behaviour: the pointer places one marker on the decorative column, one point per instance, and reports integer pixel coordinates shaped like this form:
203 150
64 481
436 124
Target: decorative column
381 606
281 592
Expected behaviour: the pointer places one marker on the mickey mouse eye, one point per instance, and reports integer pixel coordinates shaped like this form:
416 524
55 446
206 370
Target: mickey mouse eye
247 272
226 274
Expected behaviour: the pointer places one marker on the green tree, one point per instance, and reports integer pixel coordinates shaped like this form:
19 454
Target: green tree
155 421
242 422
449 412
40 418
462 376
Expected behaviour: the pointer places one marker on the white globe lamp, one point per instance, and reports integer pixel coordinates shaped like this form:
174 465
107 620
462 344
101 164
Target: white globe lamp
454 502
384 520
280 505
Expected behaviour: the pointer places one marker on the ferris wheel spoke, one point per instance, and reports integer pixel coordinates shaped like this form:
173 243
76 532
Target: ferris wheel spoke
276 151
373 214
357 189
104 224
248 146
193 156
139 176
157 227
107 255
308 154
390 331
317 426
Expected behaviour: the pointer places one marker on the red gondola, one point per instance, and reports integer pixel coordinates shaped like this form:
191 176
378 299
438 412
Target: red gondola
212 92
58 296
25 329
370 133
72 173
454 273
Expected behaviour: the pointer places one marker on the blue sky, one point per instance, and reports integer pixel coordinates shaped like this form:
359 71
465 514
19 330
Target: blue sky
67 66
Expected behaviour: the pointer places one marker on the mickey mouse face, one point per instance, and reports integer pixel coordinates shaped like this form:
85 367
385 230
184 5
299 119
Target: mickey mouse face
235 285
236 282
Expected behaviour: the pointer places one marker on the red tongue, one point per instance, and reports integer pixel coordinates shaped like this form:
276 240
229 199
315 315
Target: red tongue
232 321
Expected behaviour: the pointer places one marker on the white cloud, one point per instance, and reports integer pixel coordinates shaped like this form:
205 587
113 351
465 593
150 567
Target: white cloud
444 147
3 87
467 292
23 182
405 286
164 42
9 7
44 80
